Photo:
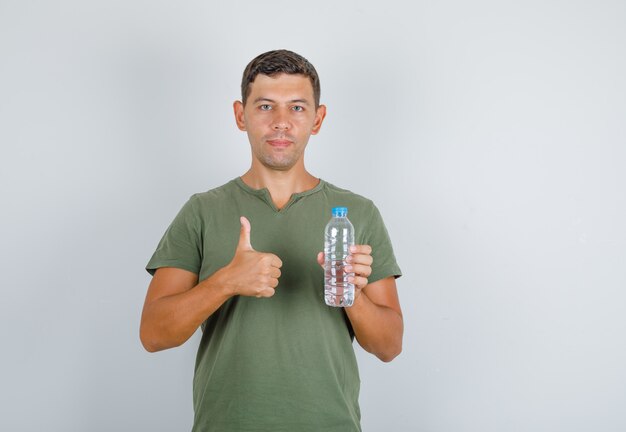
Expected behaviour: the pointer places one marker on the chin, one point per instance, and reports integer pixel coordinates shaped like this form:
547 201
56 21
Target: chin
278 165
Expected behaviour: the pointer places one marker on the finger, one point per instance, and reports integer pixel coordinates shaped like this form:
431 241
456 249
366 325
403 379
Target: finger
244 234
361 249
359 281
359 270
267 292
360 259
275 261
320 258
275 272
272 260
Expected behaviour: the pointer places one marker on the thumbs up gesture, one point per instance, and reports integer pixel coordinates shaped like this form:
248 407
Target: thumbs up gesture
252 273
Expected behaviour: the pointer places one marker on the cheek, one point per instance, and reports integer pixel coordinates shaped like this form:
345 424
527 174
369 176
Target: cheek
256 127
305 124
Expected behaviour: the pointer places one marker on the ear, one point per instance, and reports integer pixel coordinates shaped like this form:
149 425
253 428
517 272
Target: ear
319 119
239 117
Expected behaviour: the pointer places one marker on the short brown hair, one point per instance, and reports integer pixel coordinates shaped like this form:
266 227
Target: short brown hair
276 62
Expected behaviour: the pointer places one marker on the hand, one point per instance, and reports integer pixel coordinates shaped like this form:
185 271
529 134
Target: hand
252 273
360 262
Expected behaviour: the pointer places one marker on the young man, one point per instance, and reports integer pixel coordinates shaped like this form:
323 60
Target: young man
242 261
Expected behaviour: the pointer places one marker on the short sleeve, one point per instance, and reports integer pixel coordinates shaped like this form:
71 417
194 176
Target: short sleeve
181 245
375 234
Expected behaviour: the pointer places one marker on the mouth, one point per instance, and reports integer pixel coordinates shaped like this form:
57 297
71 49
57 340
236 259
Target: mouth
280 143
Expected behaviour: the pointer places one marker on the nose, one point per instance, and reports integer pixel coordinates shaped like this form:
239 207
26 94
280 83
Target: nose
280 121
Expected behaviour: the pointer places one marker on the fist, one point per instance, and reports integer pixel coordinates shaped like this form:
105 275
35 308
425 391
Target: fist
252 273
358 262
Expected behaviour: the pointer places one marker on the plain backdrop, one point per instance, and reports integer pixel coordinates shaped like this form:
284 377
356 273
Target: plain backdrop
491 134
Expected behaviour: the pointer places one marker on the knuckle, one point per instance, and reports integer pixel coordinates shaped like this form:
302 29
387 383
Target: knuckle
265 290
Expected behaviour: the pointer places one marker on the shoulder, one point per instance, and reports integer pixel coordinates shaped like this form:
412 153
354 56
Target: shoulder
361 210
213 196
200 206
347 196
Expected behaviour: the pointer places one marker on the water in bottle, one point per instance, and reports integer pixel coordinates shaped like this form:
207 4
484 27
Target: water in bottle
338 237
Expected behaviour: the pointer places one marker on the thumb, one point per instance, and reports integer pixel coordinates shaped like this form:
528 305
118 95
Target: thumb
244 234
320 259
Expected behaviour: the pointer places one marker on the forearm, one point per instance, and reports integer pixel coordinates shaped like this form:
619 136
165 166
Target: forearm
378 329
169 321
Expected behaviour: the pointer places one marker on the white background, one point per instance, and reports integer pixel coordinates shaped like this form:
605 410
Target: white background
491 134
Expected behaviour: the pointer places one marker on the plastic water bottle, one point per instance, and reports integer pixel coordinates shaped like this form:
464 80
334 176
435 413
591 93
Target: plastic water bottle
338 237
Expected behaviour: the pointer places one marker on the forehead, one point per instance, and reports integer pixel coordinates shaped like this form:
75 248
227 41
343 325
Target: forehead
288 86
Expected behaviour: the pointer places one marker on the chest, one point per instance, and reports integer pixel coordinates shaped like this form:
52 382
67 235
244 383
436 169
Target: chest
295 237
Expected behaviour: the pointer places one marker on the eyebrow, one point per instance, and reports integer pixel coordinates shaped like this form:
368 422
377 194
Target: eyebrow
264 99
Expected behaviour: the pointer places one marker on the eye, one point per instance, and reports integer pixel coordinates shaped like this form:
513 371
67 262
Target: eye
298 108
265 107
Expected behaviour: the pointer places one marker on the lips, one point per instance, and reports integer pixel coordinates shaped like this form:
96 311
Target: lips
279 142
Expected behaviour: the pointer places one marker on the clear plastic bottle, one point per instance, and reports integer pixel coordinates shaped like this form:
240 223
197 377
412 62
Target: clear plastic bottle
338 237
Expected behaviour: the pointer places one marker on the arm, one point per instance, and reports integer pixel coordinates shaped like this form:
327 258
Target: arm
176 304
376 318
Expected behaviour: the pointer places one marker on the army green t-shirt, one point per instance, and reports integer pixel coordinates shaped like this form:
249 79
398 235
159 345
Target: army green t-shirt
284 363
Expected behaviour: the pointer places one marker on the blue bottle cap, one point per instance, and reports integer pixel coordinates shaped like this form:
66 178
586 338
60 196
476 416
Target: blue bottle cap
340 211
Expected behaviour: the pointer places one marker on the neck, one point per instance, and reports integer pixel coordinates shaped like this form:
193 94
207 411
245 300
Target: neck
280 184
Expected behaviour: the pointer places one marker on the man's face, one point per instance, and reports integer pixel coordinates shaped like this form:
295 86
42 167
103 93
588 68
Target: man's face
279 117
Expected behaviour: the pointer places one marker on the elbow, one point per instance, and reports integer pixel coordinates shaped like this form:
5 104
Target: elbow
148 341
149 347
153 343
148 344
153 346
391 349
389 355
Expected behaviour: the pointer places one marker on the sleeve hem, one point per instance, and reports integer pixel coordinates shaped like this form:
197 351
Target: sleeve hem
152 267
384 272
